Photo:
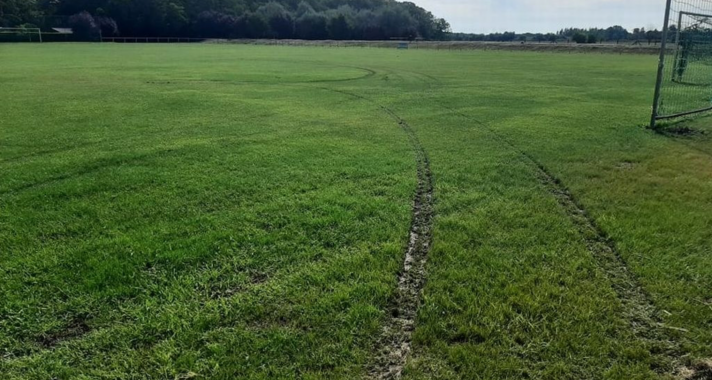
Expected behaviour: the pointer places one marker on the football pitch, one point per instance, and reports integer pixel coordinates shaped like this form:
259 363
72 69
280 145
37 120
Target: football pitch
231 211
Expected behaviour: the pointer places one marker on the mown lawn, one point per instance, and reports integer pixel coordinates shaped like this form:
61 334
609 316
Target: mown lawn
220 211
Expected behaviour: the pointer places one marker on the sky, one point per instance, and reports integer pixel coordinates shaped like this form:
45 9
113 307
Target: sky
541 16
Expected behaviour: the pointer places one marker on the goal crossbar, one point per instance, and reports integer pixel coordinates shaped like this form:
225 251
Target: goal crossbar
22 30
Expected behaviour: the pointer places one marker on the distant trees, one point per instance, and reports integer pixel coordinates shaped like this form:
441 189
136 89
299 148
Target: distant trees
107 26
18 12
304 19
339 28
252 25
616 33
653 36
84 26
579 38
311 26
309 19
280 22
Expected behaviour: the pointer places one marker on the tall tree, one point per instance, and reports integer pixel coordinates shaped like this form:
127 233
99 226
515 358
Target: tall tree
339 28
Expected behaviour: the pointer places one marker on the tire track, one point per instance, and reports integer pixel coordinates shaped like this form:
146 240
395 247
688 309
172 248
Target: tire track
395 343
94 167
368 73
396 340
645 319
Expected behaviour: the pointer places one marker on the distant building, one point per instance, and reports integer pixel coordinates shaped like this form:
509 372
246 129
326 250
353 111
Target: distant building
63 30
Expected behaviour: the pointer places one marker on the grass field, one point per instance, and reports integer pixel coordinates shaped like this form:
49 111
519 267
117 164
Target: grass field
225 211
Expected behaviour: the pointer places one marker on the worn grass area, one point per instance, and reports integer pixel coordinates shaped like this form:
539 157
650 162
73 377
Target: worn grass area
217 211
694 131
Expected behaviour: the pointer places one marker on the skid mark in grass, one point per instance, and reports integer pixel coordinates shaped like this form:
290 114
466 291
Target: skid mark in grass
395 343
644 318
45 152
638 309
94 167
679 131
76 328
626 165
368 73
691 134
700 371
220 291
396 340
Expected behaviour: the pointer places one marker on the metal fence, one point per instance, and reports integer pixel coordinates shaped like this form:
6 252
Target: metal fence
684 82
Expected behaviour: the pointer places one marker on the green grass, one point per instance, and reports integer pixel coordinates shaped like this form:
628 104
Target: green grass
690 92
218 211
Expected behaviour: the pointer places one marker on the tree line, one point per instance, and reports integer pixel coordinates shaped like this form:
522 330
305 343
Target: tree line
614 34
283 19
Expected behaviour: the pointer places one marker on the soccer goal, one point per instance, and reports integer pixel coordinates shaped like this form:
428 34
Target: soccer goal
20 35
684 82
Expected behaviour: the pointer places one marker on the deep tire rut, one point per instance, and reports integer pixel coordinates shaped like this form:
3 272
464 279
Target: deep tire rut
394 345
395 342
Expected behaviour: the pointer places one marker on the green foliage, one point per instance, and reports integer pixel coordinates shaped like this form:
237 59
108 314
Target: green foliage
613 34
279 21
236 18
339 28
84 26
579 38
616 33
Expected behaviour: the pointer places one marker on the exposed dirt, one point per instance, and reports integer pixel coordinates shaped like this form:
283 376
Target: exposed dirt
395 343
396 339
700 371
219 291
679 131
77 327
625 166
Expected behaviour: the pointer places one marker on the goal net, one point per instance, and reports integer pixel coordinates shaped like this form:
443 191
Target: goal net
684 85
20 35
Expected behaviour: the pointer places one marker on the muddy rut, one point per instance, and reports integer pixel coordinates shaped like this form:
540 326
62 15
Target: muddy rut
396 339
394 345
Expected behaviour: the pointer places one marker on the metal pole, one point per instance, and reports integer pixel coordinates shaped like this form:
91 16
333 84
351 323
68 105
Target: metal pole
661 66
39 31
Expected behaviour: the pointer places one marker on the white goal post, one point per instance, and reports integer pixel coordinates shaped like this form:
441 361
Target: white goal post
33 34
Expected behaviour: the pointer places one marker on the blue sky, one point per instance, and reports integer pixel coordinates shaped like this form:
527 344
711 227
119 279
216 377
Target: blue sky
486 16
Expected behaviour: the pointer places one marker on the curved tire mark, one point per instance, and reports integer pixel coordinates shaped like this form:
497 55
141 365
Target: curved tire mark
395 343
368 73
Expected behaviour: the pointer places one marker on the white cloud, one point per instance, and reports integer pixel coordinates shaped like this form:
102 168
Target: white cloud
544 15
